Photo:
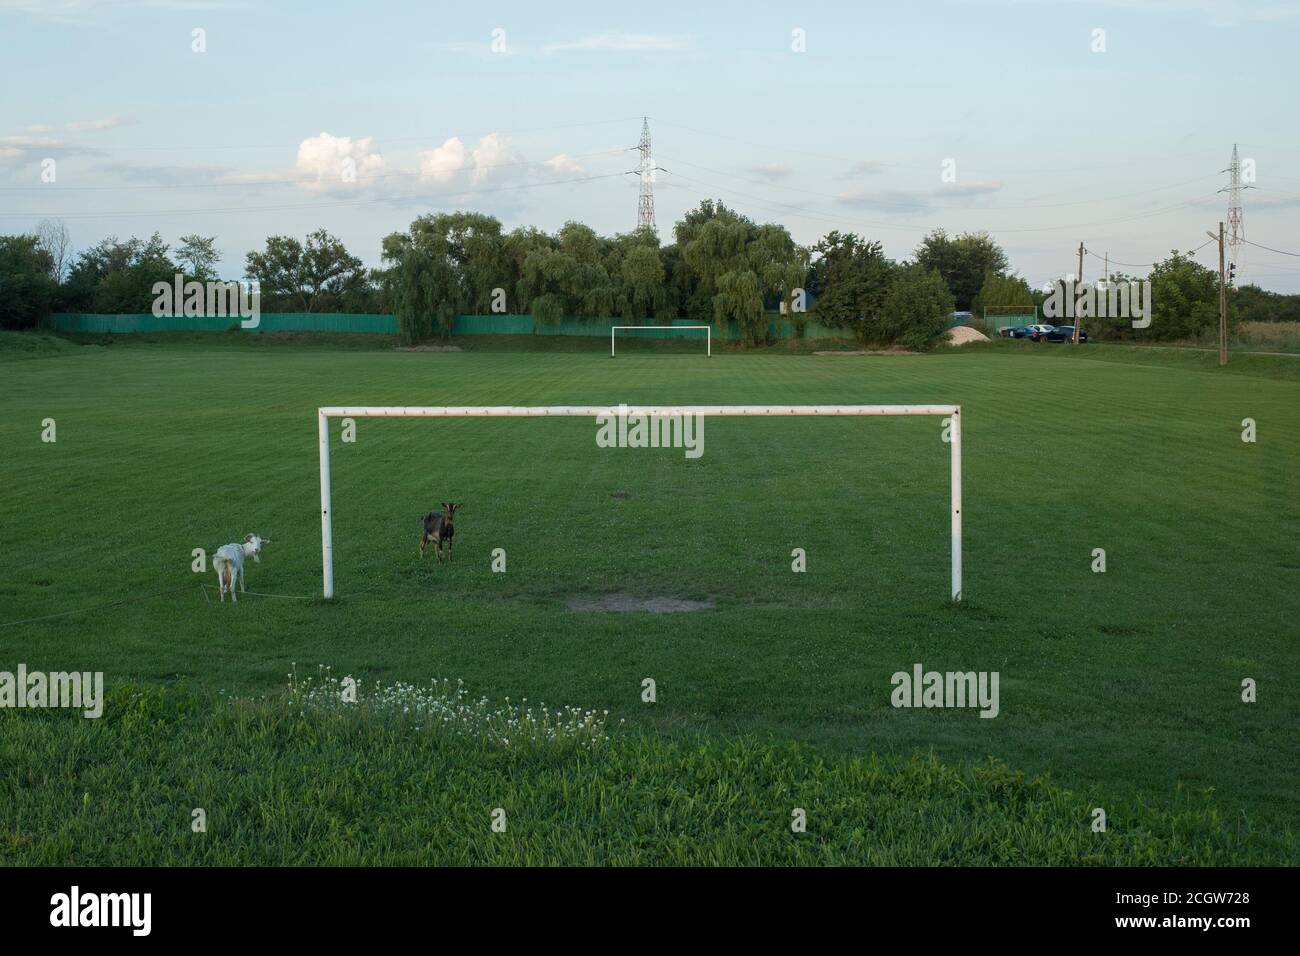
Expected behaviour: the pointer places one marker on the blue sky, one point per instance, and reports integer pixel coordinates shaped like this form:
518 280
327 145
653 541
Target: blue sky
1051 143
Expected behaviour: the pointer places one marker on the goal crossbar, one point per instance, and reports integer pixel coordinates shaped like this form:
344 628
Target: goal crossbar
325 413
707 328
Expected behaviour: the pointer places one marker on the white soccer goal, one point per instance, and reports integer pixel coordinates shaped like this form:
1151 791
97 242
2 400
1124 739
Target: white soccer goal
323 415
708 329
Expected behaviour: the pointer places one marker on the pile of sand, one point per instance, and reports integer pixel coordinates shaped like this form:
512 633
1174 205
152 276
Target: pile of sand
962 334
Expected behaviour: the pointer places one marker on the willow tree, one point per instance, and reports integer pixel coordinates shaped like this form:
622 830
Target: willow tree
642 293
737 268
416 284
472 245
568 278
636 268
444 265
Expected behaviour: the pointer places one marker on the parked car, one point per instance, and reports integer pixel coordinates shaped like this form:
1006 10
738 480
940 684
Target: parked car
1019 332
1065 333
1036 332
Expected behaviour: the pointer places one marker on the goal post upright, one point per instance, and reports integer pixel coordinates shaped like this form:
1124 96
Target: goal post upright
708 333
326 522
950 412
954 437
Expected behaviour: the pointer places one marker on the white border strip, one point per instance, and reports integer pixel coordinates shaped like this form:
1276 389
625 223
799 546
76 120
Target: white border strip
324 414
707 328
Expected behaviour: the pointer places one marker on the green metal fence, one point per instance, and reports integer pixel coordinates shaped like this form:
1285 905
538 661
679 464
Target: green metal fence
778 327
269 322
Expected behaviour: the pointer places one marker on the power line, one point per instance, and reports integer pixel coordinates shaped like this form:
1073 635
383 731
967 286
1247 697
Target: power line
386 139
794 210
848 159
1146 265
396 174
825 195
1116 262
1270 249
407 197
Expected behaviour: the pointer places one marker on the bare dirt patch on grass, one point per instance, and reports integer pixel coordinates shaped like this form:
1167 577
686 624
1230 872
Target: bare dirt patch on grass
890 351
625 603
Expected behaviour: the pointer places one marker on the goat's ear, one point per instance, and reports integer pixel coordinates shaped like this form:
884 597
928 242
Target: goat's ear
444 505
248 537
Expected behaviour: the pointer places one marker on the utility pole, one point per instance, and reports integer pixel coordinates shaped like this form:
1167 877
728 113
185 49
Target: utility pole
1223 303
1223 298
1079 282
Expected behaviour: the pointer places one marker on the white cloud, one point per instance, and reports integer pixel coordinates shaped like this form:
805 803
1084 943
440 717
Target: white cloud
1220 13
29 142
327 163
1252 201
621 42
111 122
18 149
82 11
770 171
864 167
895 201
563 164
919 200
488 46
164 175
494 156
443 163
963 190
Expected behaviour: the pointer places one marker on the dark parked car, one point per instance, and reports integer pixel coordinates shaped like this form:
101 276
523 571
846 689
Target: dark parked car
1063 333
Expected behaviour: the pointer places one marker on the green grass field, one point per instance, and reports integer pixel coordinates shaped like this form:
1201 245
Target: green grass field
1119 690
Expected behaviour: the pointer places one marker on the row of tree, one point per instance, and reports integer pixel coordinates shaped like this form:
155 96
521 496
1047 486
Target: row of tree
720 267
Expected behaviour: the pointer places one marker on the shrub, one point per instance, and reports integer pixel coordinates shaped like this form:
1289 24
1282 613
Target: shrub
917 308
27 289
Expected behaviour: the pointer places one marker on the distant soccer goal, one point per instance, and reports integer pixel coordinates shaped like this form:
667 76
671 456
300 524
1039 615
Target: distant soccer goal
1002 316
708 334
